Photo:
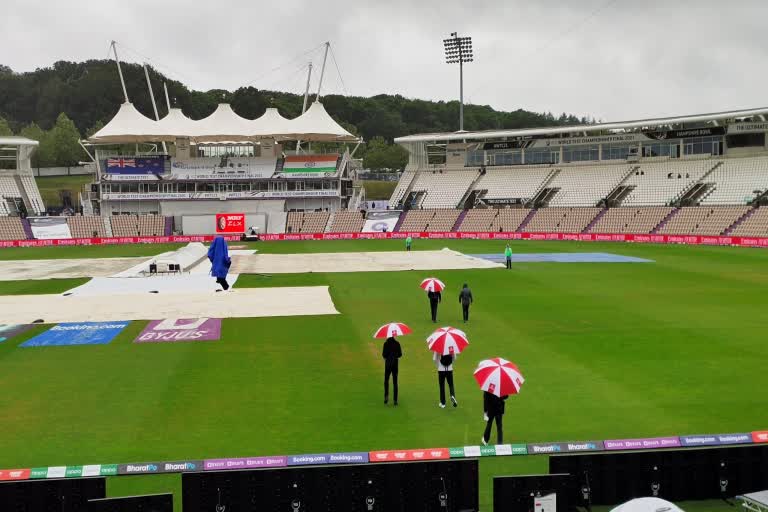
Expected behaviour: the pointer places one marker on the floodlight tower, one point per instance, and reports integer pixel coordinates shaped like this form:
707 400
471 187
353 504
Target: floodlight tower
459 50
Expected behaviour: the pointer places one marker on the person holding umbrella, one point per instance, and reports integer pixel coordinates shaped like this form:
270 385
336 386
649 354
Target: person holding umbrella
446 343
218 254
391 352
434 287
498 378
508 256
465 299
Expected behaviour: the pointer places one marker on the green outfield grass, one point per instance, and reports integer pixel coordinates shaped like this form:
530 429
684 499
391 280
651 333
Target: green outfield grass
608 350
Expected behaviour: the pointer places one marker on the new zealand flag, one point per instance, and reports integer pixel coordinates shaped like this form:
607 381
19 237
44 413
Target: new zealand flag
145 165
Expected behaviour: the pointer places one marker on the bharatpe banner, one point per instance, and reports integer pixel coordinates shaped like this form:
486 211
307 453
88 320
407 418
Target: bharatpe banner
245 463
651 443
77 333
159 467
173 329
583 446
715 440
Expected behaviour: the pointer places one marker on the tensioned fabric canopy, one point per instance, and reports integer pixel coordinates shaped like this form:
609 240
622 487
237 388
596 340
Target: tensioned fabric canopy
130 126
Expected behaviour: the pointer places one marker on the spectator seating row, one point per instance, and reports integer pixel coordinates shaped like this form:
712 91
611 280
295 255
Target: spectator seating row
11 228
561 220
87 226
137 225
307 222
736 180
506 219
345 221
586 185
755 224
631 220
443 189
430 220
512 182
702 220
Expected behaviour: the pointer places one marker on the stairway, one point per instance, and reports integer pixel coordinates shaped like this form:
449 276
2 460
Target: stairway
27 229
526 220
739 221
458 222
399 222
664 221
594 221
31 208
679 198
329 223
469 190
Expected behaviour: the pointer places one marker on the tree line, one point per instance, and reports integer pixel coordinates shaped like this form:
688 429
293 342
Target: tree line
55 103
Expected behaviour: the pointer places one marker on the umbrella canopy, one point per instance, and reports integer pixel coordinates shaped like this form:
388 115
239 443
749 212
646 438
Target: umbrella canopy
391 330
499 376
647 505
447 340
432 284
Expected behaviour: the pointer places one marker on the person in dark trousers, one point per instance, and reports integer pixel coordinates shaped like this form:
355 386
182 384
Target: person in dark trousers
444 365
408 242
494 410
391 354
508 256
434 299
220 262
465 299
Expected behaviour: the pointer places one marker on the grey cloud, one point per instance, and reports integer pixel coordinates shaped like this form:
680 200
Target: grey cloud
632 59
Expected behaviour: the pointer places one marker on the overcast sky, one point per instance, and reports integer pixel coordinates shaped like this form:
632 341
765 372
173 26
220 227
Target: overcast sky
614 60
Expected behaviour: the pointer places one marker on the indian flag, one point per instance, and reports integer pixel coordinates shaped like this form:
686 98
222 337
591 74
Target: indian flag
310 163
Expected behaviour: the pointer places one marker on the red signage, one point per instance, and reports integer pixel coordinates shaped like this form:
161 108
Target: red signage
407 455
761 436
230 223
14 474
583 237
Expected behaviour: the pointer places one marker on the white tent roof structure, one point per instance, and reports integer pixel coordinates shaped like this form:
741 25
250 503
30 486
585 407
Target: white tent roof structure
176 122
317 125
129 126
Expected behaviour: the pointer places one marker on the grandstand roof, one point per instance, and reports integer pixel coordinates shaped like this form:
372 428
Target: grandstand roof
129 126
17 141
562 130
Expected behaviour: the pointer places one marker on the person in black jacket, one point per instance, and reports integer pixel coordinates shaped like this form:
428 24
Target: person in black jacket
465 299
494 410
434 299
391 354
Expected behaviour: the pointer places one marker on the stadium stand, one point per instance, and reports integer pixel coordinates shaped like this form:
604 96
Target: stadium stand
32 192
631 220
506 219
755 224
137 225
8 187
430 220
703 220
402 187
586 185
563 220
736 180
510 182
443 189
87 226
660 183
11 228
347 222
307 222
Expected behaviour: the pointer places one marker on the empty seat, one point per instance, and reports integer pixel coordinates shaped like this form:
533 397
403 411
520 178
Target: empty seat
561 220
631 220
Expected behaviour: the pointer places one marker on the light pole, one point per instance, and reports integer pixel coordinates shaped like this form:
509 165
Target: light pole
459 50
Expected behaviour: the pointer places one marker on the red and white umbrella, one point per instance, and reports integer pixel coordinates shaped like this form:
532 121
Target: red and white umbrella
447 340
432 284
392 330
499 376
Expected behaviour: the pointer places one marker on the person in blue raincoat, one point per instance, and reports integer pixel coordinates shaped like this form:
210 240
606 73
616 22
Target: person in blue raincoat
220 262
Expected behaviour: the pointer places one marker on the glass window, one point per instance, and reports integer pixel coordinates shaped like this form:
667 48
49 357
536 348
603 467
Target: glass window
581 153
618 151
542 156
